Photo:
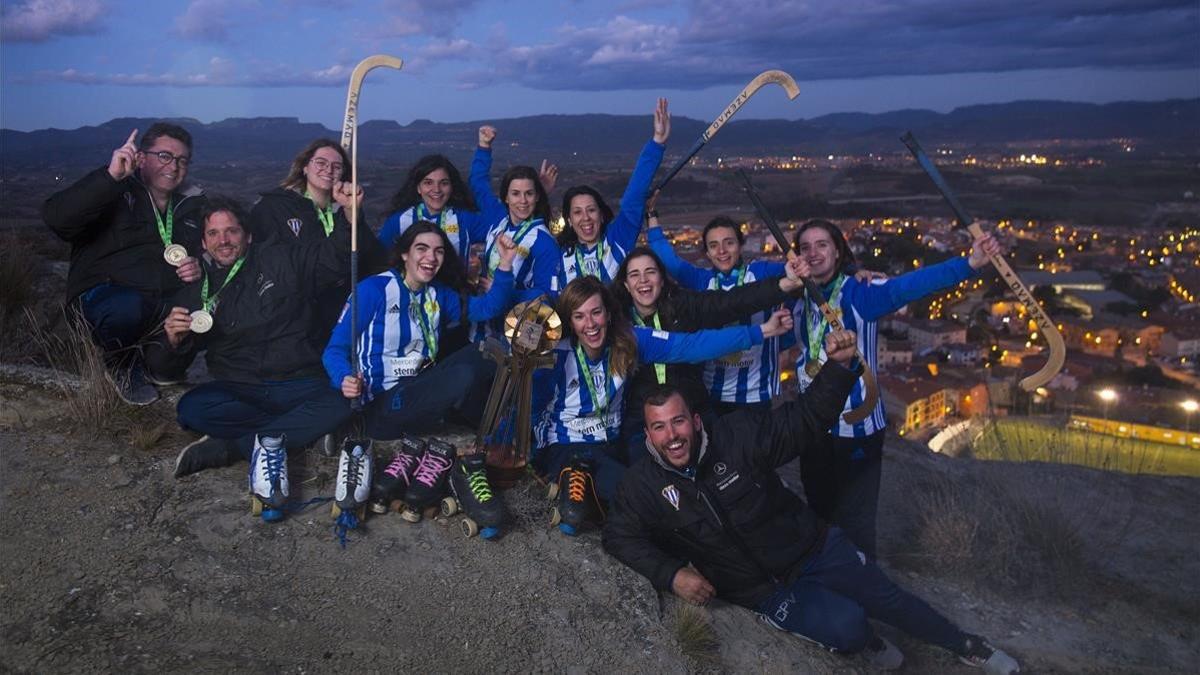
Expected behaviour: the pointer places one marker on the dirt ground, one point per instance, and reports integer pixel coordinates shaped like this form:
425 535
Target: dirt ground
111 564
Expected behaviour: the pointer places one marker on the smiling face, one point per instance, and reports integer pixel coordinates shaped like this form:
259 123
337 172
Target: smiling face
435 189
644 282
323 170
722 248
424 259
224 238
585 219
673 430
521 199
590 324
817 249
164 177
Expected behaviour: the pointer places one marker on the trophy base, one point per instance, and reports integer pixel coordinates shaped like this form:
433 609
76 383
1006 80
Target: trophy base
505 466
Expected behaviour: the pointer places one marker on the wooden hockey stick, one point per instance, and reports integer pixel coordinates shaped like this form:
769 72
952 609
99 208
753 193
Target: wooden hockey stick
350 144
1058 350
767 77
870 384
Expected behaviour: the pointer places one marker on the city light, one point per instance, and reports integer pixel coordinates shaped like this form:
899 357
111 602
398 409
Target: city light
1107 395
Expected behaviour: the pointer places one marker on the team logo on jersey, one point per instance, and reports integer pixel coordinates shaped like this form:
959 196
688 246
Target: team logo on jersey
720 468
671 494
295 224
573 384
394 309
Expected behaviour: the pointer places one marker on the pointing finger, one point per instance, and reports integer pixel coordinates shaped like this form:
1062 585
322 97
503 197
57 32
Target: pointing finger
132 137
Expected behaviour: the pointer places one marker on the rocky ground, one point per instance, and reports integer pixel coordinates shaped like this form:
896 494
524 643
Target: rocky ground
111 564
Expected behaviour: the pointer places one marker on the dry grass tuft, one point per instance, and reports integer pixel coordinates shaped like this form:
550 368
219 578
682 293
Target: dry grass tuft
1002 534
695 634
82 378
146 437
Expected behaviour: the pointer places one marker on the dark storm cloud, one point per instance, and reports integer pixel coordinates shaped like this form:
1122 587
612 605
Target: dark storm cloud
721 42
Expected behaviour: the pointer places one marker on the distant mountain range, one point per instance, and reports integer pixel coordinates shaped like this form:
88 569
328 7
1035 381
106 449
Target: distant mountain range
601 140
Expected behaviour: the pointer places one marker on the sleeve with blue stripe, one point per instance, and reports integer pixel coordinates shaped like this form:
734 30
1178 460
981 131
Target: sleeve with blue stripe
491 209
546 258
624 229
767 268
657 346
684 272
475 225
371 305
390 231
877 300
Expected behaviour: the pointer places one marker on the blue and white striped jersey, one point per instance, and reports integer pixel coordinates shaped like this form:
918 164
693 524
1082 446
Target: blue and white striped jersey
400 329
536 261
861 306
750 376
564 411
463 228
603 259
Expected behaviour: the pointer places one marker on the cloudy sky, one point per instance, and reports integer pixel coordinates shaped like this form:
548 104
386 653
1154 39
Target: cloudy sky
68 63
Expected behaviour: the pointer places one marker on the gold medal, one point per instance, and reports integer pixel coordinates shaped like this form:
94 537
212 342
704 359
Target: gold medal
812 368
175 255
202 321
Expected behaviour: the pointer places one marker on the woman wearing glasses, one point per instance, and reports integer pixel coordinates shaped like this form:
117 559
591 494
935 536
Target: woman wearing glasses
302 211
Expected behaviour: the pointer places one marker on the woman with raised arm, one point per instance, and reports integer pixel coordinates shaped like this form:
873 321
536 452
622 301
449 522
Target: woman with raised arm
843 486
521 212
596 242
581 399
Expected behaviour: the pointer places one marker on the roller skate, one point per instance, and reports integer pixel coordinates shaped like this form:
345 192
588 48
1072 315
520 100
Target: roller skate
472 494
268 478
575 493
428 480
391 483
353 478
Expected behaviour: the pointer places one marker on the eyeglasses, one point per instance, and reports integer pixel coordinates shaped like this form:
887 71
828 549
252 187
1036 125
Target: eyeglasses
165 158
325 165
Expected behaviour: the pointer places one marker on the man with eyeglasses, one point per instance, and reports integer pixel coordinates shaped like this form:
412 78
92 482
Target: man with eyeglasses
134 232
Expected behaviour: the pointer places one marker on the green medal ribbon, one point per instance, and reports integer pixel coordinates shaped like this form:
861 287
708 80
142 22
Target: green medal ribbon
660 369
165 229
599 260
585 374
817 332
421 212
739 276
325 215
208 302
431 337
521 232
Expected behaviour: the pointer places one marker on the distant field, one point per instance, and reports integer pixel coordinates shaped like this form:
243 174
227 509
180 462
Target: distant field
1035 441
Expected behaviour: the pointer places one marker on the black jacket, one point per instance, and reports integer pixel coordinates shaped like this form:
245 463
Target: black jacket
114 237
735 522
684 310
285 216
263 319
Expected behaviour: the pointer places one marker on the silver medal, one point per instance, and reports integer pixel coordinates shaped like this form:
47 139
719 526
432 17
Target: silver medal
202 321
175 255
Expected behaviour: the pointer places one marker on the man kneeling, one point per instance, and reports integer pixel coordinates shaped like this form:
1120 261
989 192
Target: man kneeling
709 517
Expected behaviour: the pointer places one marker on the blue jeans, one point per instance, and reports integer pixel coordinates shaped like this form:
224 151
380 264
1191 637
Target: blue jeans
607 464
839 590
457 384
118 318
302 410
